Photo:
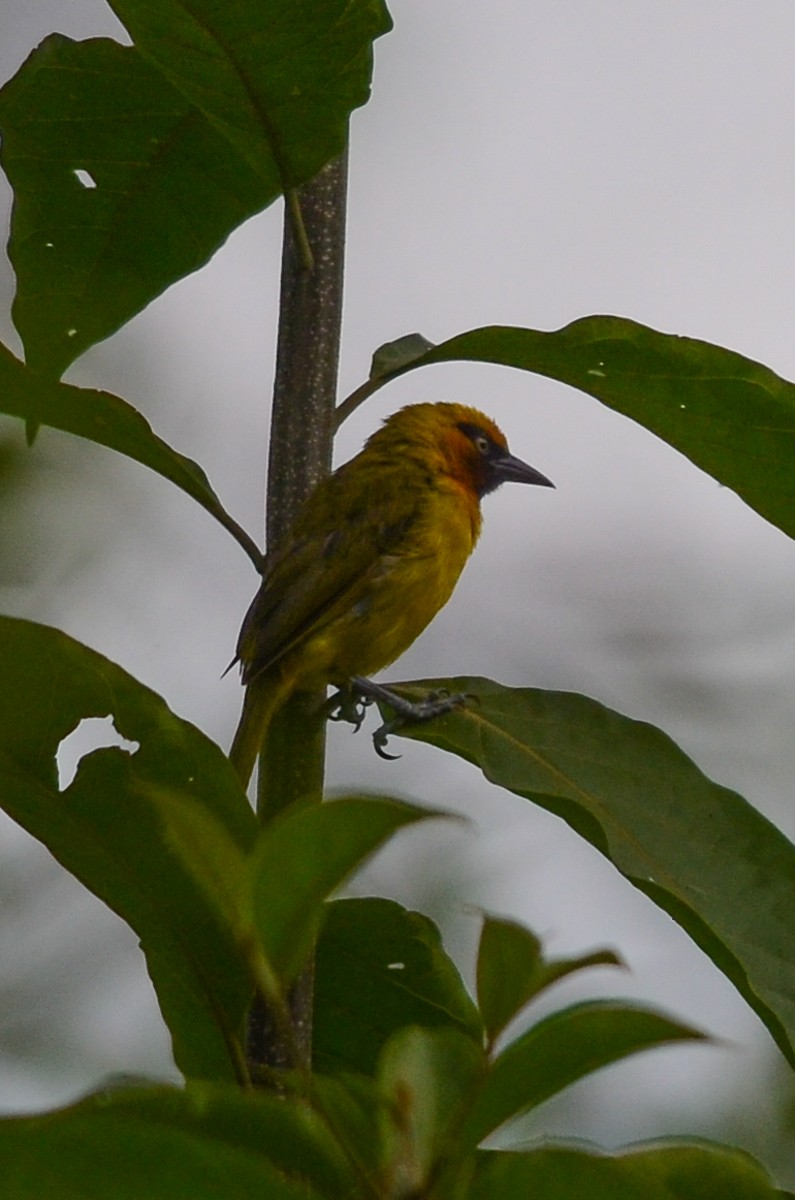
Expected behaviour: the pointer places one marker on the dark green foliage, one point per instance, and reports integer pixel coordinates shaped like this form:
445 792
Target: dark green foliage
378 968
512 971
108 827
731 416
696 1171
130 166
206 119
698 850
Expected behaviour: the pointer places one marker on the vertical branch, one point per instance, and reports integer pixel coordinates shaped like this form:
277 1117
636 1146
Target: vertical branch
291 765
305 389
301 442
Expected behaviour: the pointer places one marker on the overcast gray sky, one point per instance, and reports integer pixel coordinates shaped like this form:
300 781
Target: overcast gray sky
522 163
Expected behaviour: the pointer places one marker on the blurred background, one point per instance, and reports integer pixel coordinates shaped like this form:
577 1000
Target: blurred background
522 164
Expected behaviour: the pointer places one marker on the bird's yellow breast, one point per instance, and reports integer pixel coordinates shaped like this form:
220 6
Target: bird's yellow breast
402 593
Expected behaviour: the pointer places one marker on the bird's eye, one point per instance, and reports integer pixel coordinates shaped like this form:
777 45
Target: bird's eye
479 439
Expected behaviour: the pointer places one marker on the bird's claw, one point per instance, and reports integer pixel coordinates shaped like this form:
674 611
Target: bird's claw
435 704
381 736
351 703
347 706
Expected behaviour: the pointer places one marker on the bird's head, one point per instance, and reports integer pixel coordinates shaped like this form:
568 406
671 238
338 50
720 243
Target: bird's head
461 442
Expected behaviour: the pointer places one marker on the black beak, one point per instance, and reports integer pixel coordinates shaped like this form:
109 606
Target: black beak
508 469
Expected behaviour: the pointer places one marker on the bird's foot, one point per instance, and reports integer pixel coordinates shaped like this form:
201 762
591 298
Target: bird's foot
348 705
435 704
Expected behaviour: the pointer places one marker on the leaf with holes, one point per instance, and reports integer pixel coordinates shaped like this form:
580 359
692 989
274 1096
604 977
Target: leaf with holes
108 829
120 188
131 165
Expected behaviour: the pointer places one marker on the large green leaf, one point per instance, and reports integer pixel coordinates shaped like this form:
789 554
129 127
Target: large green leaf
379 967
203 1143
277 78
110 421
559 1051
700 851
164 191
303 855
132 164
107 827
731 416
697 1171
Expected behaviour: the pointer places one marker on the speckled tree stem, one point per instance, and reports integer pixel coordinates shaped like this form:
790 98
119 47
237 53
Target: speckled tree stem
291 767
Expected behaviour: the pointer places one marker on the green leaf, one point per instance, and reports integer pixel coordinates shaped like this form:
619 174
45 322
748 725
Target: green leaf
512 970
379 967
206 849
278 80
166 190
162 1143
665 1171
731 416
110 421
131 165
351 1107
427 1079
302 856
698 850
107 826
559 1051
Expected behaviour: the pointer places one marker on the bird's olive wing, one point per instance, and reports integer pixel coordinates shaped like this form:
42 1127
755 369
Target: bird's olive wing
350 523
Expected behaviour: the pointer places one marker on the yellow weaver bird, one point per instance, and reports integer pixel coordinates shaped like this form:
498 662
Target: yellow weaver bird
373 554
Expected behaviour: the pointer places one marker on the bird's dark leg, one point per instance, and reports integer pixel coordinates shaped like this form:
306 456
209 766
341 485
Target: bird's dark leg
435 704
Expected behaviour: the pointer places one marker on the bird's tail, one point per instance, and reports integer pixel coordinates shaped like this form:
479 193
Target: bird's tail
263 697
